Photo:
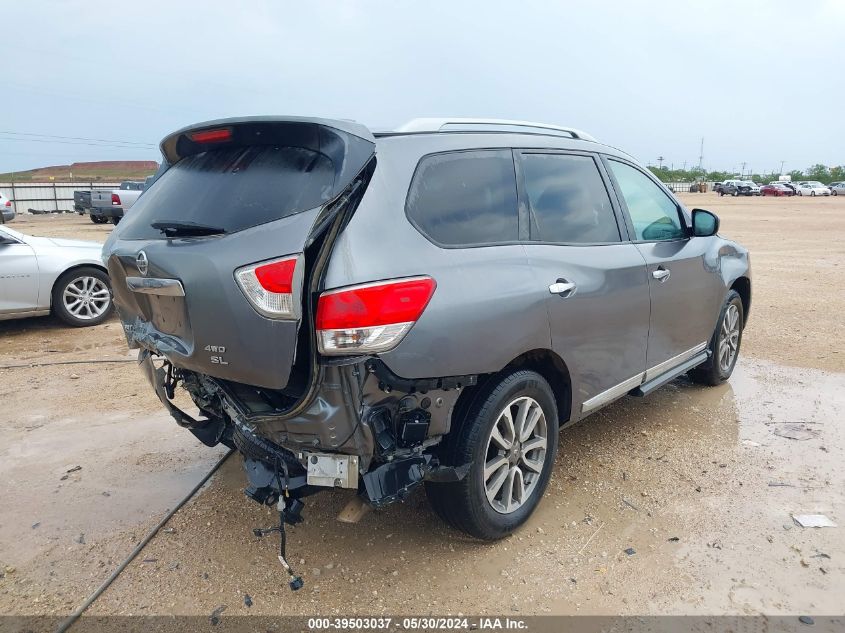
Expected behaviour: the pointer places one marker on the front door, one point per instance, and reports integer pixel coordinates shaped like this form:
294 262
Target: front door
686 289
593 279
18 275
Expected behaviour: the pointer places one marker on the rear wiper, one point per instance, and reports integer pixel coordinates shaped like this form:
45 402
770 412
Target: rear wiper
172 228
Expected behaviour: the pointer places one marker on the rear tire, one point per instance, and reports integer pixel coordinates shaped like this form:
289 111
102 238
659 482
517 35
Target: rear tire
492 507
724 345
97 219
83 297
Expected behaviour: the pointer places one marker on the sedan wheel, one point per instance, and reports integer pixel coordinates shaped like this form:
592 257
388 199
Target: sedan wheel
86 298
83 297
812 194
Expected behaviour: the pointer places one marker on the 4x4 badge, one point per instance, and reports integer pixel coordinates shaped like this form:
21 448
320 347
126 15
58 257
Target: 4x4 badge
142 262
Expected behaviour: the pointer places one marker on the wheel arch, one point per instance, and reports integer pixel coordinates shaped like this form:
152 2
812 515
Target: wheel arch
742 286
543 361
69 269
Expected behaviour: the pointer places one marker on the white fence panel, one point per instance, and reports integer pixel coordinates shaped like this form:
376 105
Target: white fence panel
47 196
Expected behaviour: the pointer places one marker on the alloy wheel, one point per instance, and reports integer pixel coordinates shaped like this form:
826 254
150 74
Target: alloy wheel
86 298
729 338
515 455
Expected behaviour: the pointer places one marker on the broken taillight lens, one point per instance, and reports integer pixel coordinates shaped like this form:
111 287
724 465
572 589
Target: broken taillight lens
371 317
272 287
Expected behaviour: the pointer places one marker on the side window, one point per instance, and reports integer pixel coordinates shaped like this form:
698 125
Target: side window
568 199
655 216
462 198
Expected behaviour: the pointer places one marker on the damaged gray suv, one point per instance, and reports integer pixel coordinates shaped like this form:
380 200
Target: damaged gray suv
427 306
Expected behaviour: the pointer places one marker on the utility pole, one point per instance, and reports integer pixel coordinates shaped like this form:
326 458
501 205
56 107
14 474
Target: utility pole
742 173
781 167
660 162
701 154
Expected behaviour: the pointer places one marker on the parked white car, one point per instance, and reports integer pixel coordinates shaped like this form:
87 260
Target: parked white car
813 188
40 275
7 212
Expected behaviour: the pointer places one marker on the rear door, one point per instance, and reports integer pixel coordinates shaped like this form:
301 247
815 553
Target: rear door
209 267
686 288
593 278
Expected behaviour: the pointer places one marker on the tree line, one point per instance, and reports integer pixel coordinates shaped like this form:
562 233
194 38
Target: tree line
819 172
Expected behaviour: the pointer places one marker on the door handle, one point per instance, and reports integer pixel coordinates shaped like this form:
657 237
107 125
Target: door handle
561 286
661 274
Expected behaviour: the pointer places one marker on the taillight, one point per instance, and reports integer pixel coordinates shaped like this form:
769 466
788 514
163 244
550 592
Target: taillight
115 199
371 317
272 287
211 136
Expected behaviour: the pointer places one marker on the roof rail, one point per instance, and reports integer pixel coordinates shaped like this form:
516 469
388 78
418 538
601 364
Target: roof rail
487 125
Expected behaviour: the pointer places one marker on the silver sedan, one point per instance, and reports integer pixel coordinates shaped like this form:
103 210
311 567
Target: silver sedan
40 275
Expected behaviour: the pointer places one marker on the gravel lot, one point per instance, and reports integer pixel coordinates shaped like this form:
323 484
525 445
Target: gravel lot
697 481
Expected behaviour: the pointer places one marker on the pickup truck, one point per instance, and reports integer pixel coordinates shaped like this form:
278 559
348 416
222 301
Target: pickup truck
82 201
112 204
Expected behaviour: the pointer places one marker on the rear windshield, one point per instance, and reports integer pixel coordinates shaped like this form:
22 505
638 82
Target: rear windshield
234 189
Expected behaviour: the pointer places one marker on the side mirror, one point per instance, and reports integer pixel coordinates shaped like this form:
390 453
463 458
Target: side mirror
704 223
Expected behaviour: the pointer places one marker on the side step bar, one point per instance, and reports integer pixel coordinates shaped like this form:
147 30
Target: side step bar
646 388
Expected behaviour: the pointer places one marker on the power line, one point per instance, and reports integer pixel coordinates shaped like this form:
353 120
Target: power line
78 138
46 140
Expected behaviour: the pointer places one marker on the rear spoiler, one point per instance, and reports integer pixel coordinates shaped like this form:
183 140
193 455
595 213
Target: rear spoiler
349 145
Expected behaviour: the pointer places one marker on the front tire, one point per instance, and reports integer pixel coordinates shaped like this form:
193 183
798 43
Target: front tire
509 437
724 345
83 297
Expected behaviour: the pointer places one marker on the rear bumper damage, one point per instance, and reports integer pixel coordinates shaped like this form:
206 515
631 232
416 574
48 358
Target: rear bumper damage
365 429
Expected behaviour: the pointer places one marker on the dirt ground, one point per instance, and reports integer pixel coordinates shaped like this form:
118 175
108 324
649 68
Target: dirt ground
699 482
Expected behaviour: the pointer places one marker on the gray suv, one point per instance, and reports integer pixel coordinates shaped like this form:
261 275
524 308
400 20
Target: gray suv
429 305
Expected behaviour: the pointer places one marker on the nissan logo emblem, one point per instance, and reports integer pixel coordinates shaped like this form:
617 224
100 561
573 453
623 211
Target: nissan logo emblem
142 262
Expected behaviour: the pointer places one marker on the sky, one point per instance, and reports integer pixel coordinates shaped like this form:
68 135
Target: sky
760 81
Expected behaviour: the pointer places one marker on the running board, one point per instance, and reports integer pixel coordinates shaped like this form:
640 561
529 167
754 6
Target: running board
646 388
